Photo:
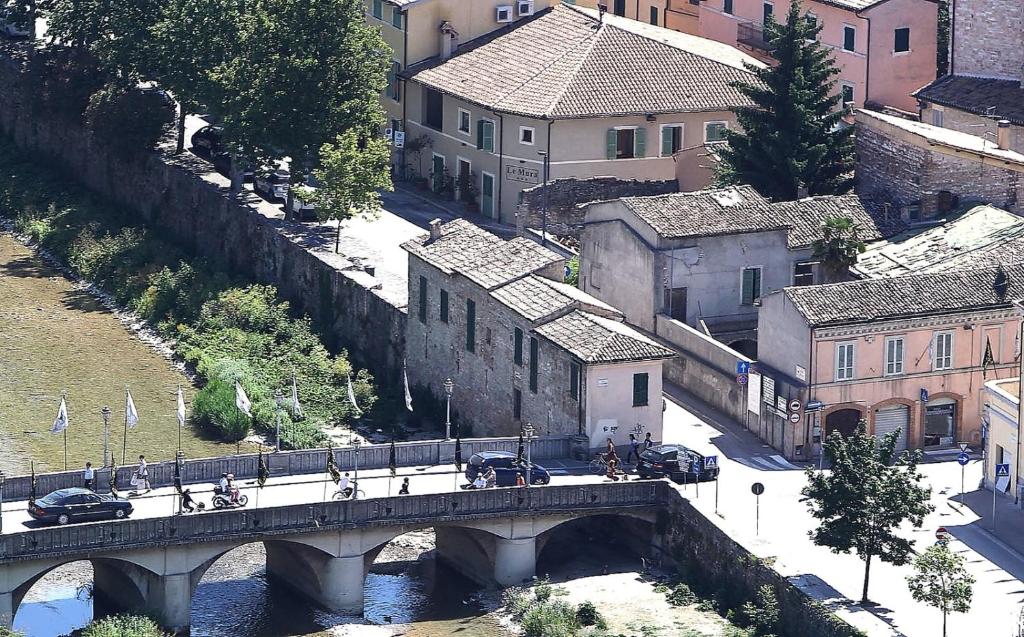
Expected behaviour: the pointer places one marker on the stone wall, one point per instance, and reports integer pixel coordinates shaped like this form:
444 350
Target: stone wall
566 196
182 197
988 39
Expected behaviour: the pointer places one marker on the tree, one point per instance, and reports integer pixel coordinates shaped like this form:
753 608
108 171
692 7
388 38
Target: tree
351 175
129 121
839 245
942 50
865 498
791 139
940 580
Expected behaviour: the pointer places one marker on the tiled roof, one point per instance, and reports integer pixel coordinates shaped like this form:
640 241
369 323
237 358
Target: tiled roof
983 96
943 136
594 339
479 255
982 237
534 298
852 5
870 300
565 63
740 210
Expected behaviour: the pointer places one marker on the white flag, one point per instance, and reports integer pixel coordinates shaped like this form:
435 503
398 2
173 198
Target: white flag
352 397
181 408
296 407
408 394
131 415
61 423
241 400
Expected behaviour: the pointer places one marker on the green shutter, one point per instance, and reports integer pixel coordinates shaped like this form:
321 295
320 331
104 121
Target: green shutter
444 306
612 143
423 299
534 354
574 380
488 140
640 398
757 284
640 142
479 134
470 326
666 141
747 294
517 355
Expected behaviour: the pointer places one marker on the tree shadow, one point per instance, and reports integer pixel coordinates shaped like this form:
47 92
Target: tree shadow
29 267
833 600
81 301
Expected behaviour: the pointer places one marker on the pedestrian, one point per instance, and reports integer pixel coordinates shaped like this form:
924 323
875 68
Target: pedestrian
611 471
520 481
634 449
89 476
187 502
611 455
143 473
404 489
490 478
648 443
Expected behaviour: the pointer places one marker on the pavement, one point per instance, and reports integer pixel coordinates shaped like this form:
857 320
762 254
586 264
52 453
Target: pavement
777 524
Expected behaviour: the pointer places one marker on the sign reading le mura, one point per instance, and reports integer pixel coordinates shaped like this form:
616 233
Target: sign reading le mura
522 173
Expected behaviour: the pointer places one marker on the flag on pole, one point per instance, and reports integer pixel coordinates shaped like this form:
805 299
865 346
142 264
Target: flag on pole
458 449
988 360
332 468
32 484
181 407
352 397
130 413
408 394
61 422
242 401
392 464
296 407
262 470
177 477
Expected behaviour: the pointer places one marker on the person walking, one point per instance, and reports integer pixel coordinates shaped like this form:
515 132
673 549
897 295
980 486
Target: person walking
404 489
143 473
634 449
490 478
520 480
648 443
187 502
89 476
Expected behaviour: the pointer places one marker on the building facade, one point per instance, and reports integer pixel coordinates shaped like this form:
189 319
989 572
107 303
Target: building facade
1001 419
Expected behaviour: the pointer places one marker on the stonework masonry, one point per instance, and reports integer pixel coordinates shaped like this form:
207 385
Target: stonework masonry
972 124
988 39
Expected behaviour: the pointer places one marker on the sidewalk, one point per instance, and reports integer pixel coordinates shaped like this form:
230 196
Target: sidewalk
1009 528
397 203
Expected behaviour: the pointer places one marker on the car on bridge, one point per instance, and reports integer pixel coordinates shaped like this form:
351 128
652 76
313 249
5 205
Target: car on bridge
65 506
677 463
506 467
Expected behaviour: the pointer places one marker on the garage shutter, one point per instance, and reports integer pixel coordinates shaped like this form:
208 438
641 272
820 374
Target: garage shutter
890 419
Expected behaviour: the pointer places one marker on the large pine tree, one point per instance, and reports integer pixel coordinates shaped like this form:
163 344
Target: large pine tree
791 136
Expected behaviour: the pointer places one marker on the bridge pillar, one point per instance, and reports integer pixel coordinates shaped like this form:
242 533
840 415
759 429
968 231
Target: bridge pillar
6 610
336 583
170 598
515 561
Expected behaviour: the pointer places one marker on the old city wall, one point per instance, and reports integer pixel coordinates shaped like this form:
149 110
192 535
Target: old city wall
182 196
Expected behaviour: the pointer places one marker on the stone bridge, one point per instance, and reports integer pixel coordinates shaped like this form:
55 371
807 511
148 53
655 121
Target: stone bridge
322 551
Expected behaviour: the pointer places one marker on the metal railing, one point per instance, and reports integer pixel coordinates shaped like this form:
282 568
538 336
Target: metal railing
752 35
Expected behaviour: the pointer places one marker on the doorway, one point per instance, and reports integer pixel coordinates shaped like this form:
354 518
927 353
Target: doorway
487 195
464 183
940 423
842 420
437 173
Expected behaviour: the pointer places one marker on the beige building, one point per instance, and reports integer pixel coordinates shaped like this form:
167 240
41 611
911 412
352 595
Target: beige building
1001 423
592 95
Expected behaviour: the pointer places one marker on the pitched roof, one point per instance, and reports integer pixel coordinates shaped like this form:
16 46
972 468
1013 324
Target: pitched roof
984 236
741 210
566 63
535 297
594 339
480 256
852 5
937 135
979 95
870 300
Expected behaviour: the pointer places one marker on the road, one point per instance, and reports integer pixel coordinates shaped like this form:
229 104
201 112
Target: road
837 579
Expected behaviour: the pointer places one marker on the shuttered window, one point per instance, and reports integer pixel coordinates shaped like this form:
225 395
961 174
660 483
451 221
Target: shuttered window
943 348
893 356
470 325
640 382
671 139
517 347
444 306
751 286
625 143
378 9
574 380
423 299
534 353
485 135
394 86
844 361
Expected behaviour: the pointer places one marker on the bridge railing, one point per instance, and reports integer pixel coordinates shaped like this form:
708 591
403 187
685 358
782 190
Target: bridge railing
309 461
262 523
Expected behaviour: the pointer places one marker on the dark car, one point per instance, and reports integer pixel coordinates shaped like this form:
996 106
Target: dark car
64 506
208 141
675 462
505 468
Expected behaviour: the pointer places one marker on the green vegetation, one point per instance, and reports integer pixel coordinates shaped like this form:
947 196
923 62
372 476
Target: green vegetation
574 271
940 580
224 329
839 247
681 595
539 613
123 626
7 632
128 121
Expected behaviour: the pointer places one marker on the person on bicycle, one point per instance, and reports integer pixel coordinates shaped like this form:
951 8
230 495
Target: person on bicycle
344 486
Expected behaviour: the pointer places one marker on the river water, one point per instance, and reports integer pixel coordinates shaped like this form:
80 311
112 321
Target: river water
55 338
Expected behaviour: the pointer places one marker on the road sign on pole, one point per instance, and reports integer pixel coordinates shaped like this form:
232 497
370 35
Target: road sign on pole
741 379
1002 471
942 535
963 447
757 489
742 367
963 459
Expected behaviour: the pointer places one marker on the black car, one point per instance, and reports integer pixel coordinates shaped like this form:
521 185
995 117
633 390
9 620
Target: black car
208 141
677 463
64 506
505 468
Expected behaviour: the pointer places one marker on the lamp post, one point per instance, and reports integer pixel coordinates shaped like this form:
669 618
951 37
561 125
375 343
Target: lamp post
279 399
544 209
449 385
2 478
106 434
179 475
528 432
355 487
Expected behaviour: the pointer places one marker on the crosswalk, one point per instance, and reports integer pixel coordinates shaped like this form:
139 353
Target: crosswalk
768 463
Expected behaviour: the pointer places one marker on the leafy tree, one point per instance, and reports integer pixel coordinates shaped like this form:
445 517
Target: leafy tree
942 51
351 175
72 23
940 580
63 80
128 120
123 626
764 613
790 139
23 15
839 246
861 503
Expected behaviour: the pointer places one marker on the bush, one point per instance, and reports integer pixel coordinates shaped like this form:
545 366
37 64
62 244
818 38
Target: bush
129 121
7 632
588 615
62 80
681 595
123 626
554 618
763 614
214 411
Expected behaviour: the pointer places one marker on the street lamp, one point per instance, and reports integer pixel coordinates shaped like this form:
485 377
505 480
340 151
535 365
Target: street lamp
355 487
544 209
449 385
528 432
279 399
106 434
179 475
2 478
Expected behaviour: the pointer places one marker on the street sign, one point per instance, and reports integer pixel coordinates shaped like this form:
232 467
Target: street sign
710 462
794 418
942 535
741 379
814 405
1002 471
742 367
399 139
924 395
794 405
963 458
757 488
963 447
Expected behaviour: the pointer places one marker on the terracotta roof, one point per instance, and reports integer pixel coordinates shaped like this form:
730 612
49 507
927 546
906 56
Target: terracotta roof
565 63
594 339
480 256
535 297
1003 99
937 135
870 300
852 5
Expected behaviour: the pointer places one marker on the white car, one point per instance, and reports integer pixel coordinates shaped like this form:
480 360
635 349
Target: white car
272 185
9 26
304 210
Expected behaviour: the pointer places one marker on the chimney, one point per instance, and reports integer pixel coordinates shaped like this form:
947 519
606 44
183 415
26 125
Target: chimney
1003 135
801 191
449 40
435 229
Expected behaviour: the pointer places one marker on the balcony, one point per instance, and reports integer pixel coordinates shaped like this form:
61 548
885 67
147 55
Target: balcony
752 35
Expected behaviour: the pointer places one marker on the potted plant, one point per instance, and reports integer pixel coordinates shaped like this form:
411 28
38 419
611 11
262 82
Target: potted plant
468 192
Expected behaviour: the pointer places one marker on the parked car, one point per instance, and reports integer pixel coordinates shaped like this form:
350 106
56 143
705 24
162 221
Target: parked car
505 468
675 462
9 24
303 209
64 506
208 140
272 184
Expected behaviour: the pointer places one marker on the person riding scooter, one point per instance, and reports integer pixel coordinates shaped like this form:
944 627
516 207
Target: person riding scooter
232 489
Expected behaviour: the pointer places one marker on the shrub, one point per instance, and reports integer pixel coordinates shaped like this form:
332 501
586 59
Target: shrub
129 121
681 595
763 614
123 626
7 632
214 411
554 618
588 615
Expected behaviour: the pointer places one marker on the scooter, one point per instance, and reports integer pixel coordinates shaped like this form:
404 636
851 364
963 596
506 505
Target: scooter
222 500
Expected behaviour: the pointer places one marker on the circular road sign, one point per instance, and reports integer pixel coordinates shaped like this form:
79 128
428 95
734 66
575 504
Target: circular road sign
794 405
757 488
794 417
963 458
942 535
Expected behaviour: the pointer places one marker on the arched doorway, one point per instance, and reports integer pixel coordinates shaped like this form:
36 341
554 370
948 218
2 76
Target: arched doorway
843 421
745 346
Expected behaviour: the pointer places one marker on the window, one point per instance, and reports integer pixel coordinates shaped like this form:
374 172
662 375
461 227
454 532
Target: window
526 135
727 6
943 351
443 312
844 361
378 9
849 37
504 14
812 20
394 85
470 325
750 285
671 139
715 131
675 303
485 135
433 108
619 8
847 90
574 380
423 299
465 120
766 11
517 347
936 117
901 40
640 398
803 273
396 18
893 356
654 15
534 353
626 143
517 404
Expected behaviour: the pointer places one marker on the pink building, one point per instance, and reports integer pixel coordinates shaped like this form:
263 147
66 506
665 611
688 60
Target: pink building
885 49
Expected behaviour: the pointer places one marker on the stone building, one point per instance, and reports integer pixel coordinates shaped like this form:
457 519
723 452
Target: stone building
520 345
